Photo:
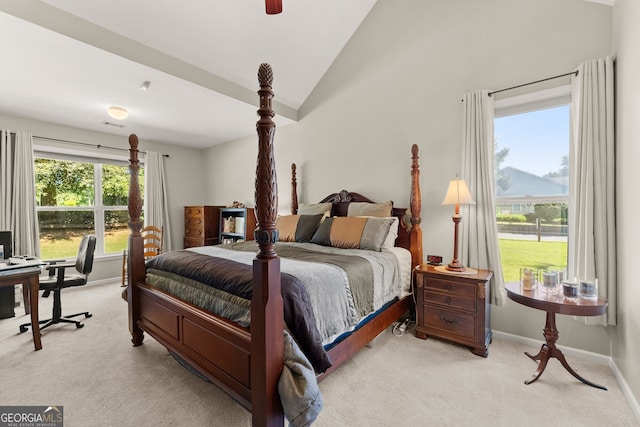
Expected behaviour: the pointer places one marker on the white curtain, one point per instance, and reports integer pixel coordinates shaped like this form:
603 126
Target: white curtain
18 192
156 211
479 235
592 234
6 179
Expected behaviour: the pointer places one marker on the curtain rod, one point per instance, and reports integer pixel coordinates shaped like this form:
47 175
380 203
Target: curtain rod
537 81
99 146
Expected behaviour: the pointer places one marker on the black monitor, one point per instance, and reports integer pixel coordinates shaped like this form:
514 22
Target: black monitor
7 242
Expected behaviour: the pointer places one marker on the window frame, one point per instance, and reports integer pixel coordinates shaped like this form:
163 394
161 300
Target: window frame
527 103
97 207
559 96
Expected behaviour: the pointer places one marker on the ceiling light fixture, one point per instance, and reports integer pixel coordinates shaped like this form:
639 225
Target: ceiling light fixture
118 112
145 85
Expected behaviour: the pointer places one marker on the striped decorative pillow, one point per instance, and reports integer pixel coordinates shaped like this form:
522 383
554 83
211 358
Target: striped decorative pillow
297 228
353 232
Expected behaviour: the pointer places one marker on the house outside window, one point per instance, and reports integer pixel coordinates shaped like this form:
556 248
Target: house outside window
532 140
78 195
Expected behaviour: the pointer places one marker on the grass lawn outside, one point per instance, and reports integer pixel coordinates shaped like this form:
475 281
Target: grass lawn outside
543 255
65 246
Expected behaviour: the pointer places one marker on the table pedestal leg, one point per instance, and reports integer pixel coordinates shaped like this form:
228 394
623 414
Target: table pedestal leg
549 350
542 357
34 285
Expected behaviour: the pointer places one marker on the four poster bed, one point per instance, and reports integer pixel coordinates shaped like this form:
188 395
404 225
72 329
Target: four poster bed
170 298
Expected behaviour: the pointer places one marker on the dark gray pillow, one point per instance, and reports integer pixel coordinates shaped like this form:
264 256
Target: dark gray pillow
322 236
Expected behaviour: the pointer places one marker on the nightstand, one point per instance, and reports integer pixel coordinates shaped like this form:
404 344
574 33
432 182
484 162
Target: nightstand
454 306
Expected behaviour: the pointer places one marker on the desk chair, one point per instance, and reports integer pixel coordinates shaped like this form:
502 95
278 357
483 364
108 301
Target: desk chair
152 238
59 279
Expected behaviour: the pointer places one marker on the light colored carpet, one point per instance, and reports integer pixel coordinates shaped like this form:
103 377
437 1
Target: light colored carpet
101 380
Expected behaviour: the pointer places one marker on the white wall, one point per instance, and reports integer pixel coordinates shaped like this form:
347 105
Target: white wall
184 170
400 81
626 343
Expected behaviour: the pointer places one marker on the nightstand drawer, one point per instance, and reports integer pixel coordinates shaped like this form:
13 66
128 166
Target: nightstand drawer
452 322
450 300
451 287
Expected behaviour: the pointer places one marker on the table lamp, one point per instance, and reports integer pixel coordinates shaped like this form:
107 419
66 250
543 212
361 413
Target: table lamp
457 194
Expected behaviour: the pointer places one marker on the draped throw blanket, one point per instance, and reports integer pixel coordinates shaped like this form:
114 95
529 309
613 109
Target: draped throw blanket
236 280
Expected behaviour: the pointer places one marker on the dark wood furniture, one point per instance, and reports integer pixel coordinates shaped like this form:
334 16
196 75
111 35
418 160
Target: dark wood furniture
245 363
29 278
201 226
553 303
454 306
243 224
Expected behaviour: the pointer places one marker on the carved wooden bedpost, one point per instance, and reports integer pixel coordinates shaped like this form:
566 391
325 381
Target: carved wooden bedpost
415 206
267 318
294 190
135 257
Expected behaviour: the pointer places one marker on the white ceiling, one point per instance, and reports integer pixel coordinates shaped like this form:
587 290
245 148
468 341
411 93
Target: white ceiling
66 61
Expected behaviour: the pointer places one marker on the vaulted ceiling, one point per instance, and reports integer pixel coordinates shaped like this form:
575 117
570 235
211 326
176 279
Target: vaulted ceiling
67 61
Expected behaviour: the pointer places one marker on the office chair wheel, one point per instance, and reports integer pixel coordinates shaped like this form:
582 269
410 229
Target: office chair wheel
24 328
79 325
88 315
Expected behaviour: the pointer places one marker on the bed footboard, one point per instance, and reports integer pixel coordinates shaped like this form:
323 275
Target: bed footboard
220 349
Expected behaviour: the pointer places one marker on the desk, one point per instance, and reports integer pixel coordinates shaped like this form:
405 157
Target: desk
554 303
26 276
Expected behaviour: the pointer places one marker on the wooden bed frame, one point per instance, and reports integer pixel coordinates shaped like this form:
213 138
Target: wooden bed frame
245 363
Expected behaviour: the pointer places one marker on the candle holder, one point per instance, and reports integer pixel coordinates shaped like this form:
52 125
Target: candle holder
550 280
570 289
529 278
589 289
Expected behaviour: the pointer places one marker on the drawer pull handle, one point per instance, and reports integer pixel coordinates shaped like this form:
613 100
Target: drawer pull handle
447 286
447 321
448 300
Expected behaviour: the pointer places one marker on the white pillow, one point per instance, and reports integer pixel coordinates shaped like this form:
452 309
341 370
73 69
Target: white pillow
390 240
370 209
315 209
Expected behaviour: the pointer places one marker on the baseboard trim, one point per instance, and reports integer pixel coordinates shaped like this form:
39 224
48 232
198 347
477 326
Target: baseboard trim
112 280
585 355
626 390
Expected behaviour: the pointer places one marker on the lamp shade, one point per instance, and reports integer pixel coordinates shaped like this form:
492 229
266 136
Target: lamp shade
458 194
118 112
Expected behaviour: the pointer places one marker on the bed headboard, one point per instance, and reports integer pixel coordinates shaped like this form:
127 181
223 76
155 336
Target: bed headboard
409 232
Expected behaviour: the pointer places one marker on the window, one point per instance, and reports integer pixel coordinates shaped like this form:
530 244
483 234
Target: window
532 140
78 196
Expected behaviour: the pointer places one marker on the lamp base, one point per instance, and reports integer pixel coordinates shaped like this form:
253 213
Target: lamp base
455 265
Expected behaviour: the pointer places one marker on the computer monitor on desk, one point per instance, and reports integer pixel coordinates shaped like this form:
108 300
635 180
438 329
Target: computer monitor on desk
7 243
